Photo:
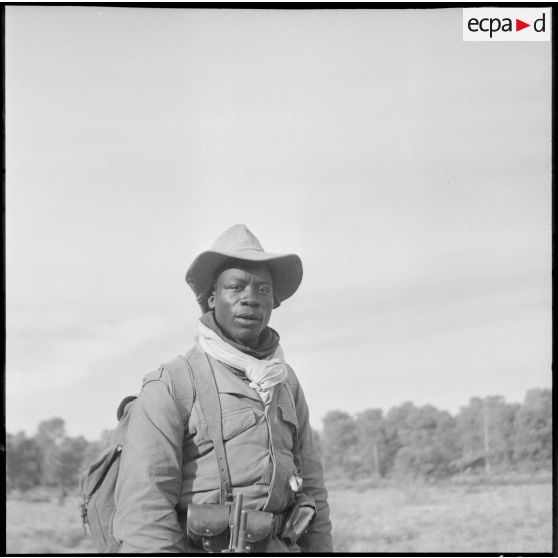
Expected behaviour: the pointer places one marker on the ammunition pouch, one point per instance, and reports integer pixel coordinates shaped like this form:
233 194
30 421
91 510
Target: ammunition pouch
208 528
259 529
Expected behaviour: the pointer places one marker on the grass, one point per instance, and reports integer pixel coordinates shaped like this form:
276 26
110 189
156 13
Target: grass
443 518
45 527
404 519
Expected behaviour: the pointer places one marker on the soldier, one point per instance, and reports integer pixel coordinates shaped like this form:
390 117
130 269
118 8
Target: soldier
177 477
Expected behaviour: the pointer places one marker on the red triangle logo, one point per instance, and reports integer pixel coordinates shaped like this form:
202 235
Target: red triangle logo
519 25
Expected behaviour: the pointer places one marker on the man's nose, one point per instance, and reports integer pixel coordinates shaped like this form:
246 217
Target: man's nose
249 297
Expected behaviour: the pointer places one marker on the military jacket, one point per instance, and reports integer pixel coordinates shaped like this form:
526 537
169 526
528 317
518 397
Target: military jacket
168 461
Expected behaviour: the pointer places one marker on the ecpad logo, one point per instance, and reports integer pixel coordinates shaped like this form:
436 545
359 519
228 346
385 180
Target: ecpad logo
495 24
506 24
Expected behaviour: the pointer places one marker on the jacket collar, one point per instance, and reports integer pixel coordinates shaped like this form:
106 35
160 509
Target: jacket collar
228 380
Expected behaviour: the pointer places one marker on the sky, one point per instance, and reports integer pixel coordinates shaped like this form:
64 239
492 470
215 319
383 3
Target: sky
411 171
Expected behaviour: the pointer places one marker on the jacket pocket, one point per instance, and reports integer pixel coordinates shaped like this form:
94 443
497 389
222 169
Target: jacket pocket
287 411
236 422
233 423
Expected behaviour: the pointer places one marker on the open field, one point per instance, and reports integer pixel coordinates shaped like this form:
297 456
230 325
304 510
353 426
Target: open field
444 518
412 518
45 527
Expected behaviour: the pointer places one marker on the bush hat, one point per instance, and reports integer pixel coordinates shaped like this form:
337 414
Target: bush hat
240 243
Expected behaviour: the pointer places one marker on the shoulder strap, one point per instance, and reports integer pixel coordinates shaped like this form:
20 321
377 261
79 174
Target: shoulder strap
183 383
210 405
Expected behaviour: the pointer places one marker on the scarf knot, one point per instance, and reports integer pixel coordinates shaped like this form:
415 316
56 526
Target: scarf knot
263 374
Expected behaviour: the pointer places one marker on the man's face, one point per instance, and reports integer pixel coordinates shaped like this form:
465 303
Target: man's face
243 301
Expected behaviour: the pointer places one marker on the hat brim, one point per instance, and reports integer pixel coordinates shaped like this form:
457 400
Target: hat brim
286 271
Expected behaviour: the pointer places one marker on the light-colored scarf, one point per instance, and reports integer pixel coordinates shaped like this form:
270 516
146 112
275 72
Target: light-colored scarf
263 374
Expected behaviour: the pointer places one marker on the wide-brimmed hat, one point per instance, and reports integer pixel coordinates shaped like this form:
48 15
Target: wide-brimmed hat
239 242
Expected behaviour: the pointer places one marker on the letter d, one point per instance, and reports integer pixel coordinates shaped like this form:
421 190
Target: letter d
540 20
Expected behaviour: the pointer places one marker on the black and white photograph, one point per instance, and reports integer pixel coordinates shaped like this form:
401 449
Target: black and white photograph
278 278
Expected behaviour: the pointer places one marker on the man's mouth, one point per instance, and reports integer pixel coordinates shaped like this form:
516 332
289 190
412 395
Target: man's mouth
248 317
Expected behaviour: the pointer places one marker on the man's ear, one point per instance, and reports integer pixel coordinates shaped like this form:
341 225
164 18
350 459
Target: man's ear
211 301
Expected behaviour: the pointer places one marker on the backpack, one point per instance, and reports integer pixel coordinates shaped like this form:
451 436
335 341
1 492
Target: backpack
98 481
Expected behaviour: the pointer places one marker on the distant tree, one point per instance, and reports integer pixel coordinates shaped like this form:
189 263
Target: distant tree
486 433
533 436
500 417
471 433
23 462
69 457
394 423
372 444
50 435
425 441
50 432
339 443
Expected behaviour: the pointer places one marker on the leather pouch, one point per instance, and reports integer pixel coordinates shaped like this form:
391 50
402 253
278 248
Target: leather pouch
259 529
207 526
299 518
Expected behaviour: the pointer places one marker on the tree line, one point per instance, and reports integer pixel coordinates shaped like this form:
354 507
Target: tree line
487 436
50 458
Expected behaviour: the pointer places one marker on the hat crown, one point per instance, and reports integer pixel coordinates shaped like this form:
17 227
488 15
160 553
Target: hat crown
236 238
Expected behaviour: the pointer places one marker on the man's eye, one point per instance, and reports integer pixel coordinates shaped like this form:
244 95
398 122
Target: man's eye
234 287
265 290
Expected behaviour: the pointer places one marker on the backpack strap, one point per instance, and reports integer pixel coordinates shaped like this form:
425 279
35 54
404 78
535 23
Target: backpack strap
183 384
192 376
210 407
123 404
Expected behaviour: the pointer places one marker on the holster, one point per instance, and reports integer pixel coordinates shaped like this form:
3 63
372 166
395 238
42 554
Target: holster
299 518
